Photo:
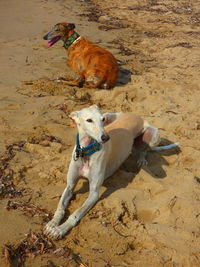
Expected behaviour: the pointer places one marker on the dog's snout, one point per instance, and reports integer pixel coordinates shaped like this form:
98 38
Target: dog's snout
45 37
105 138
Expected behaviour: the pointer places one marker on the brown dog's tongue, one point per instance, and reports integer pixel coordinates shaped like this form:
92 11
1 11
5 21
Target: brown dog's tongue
53 41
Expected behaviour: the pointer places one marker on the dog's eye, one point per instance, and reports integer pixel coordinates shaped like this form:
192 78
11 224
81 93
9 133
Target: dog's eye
103 119
89 120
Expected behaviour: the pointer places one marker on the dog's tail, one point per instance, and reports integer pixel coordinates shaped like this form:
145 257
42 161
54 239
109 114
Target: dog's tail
160 148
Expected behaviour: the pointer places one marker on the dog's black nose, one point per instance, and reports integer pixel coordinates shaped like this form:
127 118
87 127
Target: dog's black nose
45 37
105 138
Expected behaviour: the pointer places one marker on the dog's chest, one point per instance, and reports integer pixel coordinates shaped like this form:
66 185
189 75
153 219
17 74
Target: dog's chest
84 168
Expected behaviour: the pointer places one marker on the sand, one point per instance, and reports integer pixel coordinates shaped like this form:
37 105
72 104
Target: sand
146 217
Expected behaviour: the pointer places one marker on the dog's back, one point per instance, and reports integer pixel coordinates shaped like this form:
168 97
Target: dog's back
95 63
130 122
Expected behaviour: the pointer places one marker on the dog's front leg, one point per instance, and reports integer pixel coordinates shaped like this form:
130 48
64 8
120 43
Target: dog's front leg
95 183
78 82
72 178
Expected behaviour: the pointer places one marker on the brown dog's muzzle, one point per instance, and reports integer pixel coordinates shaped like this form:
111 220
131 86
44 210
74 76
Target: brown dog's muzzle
45 37
51 39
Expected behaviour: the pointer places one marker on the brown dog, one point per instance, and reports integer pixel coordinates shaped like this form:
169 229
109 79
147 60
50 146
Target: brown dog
96 67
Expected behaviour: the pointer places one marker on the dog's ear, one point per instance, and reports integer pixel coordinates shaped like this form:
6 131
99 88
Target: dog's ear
95 106
74 116
70 26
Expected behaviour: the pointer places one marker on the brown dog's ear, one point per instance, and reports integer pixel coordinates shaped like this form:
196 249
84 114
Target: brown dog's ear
70 26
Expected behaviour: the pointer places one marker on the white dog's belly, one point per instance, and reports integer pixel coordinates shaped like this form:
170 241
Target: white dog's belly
115 162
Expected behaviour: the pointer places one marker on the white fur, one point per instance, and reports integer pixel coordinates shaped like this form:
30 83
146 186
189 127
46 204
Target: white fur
167 147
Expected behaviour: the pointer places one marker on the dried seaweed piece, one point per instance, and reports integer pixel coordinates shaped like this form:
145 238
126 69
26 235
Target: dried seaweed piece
8 189
197 179
52 138
50 264
123 50
6 254
181 44
7 186
29 209
33 245
197 126
49 138
94 13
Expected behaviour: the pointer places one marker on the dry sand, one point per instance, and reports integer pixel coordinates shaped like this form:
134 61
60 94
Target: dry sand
147 217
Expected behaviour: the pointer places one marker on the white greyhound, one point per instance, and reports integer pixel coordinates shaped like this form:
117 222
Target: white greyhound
97 155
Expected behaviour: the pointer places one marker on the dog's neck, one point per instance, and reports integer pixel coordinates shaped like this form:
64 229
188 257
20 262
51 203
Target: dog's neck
85 146
84 139
71 39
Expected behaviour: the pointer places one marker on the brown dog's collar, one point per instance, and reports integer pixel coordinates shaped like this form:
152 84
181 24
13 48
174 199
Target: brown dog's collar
71 39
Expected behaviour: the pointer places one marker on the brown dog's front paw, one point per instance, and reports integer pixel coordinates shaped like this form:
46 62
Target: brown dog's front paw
59 79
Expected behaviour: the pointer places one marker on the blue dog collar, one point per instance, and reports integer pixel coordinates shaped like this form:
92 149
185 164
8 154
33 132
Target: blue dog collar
86 151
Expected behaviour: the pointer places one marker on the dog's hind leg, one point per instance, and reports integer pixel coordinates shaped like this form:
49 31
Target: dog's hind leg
149 139
110 117
72 178
93 84
151 136
94 79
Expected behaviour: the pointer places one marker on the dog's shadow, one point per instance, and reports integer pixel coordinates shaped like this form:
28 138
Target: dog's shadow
124 76
130 169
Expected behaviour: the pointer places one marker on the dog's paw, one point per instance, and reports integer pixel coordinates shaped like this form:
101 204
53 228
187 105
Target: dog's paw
49 226
59 79
54 232
52 223
142 162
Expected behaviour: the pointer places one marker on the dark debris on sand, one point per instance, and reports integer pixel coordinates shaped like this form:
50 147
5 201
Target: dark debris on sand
29 209
7 186
33 245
